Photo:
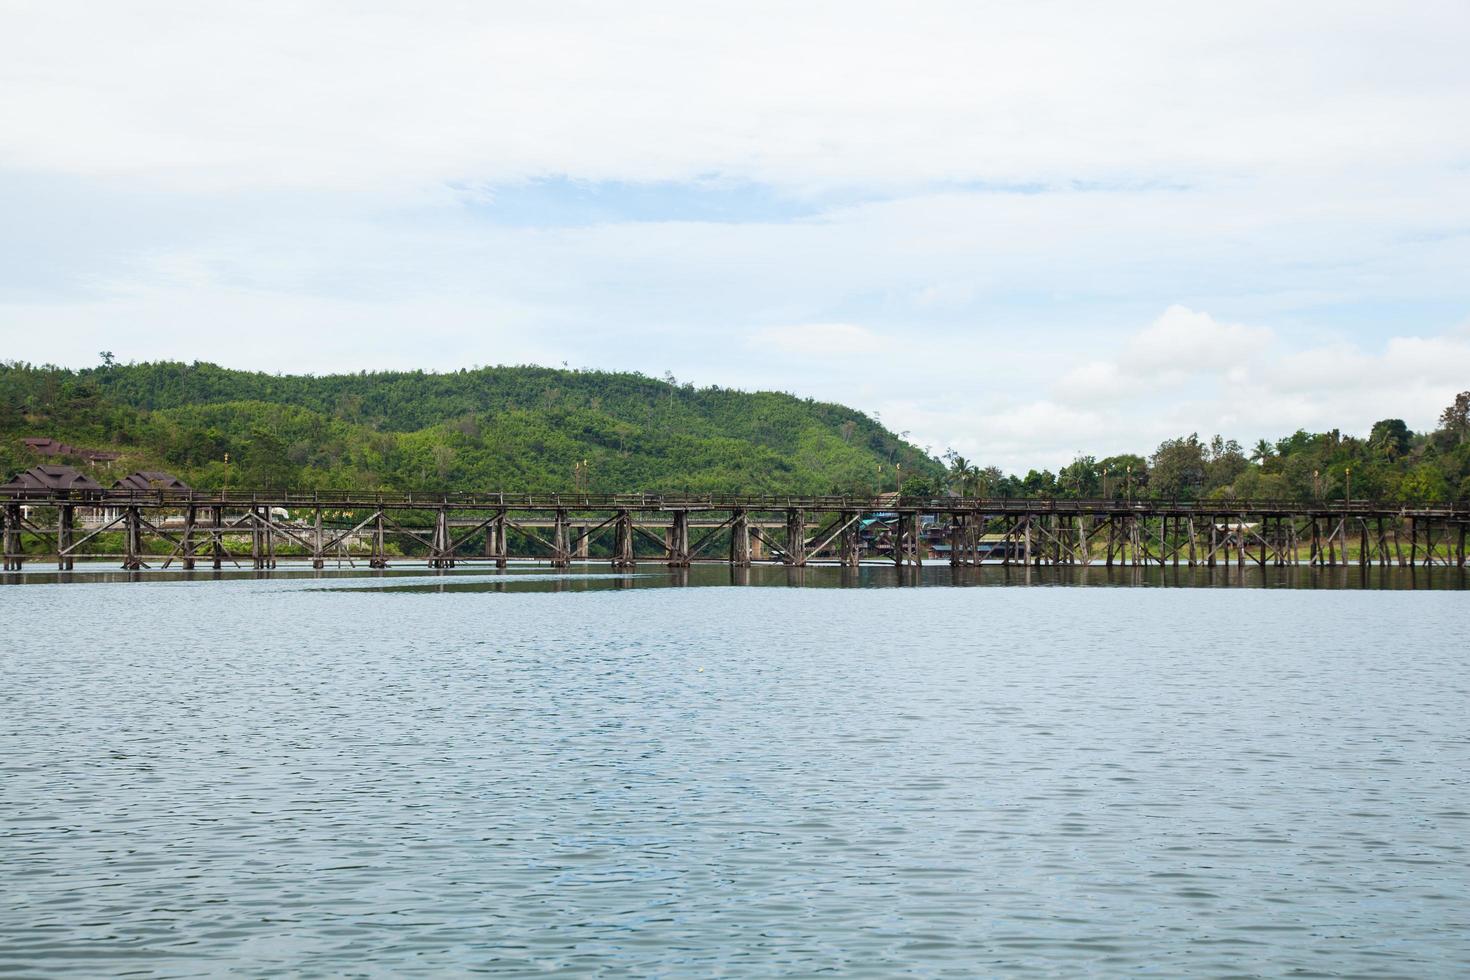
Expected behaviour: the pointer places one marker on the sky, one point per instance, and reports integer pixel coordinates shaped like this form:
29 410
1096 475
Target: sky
1018 230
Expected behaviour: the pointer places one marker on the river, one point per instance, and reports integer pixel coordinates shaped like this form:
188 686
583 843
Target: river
525 772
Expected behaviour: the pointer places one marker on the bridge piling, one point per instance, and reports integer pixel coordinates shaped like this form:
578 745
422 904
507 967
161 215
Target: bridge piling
12 547
132 540
740 539
678 548
623 554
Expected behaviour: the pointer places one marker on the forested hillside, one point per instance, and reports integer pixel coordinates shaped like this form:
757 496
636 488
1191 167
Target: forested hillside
539 429
511 428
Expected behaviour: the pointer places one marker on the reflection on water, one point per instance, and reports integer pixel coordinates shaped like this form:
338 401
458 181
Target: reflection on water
444 773
586 577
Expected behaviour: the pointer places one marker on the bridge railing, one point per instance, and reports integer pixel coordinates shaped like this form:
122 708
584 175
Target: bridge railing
713 501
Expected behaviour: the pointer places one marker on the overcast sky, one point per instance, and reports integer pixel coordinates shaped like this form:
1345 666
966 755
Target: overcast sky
1017 229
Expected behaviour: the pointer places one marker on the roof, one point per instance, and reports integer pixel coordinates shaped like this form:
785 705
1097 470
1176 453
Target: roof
150 480
46 477
50 447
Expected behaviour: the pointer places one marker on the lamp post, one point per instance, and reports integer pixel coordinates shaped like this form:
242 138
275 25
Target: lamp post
226 486
1349 492
1128 483
1317 485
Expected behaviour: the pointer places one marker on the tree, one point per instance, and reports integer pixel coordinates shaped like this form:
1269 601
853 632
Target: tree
1456 418
1261 452
1389 438
1080 478
962 474
918 485
1179 468
107 358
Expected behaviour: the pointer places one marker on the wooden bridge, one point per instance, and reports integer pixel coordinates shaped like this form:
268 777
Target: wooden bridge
255 529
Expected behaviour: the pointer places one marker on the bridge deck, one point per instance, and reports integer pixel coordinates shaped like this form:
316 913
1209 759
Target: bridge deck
679 528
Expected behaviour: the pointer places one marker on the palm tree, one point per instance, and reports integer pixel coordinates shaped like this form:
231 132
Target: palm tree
962 475
1261 451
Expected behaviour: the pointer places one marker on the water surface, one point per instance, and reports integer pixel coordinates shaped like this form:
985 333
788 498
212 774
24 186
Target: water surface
526 772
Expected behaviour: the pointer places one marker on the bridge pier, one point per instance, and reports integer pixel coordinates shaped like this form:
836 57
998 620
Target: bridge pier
13 555
442 555
186 540
318 555
217 537
622 556
560 555
497 527
678 540
795 537
740 540
65 523
379 556
848 547
257 539
132 540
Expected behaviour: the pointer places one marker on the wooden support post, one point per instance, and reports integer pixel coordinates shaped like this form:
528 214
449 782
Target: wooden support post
216 537
957 530
1460 548
622 556
187 545
560 556
379 557
257 544
740 539
1027 554
678 556
1413 541
132 539
14 557
502 542
65 521
795 537
441 544
848 539
318 559
1362 542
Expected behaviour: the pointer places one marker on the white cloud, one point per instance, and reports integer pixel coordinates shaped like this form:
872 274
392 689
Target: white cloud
343 93
818 339
1041 227
1185 341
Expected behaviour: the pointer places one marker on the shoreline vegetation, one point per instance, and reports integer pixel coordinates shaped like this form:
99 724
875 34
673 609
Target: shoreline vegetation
536 429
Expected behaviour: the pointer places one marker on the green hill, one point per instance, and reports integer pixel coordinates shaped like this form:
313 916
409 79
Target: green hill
510 428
